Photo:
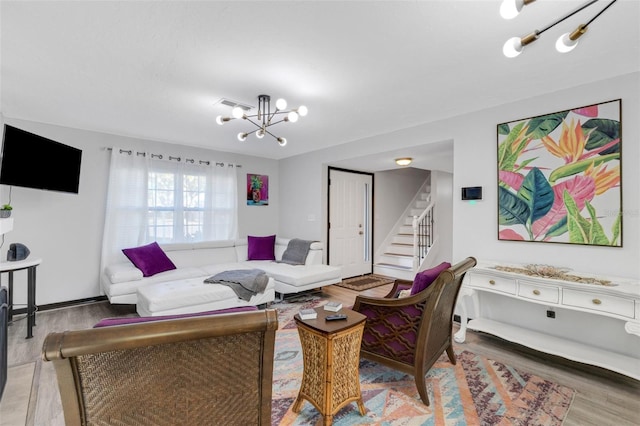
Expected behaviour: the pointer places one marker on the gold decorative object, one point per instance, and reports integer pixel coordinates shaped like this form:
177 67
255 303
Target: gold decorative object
556 272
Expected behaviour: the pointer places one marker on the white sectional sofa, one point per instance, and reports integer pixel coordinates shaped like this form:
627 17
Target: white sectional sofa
182 290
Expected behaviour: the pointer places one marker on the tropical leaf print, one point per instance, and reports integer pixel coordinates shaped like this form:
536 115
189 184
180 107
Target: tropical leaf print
513 145
512 210
603 132
537 193
590 111
542 126
581 188
582 230
555 173
511 179
580 166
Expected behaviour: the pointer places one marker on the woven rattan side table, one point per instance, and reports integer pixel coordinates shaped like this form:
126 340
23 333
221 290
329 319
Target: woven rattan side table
331 355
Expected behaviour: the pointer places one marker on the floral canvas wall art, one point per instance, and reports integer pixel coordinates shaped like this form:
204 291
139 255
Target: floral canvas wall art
257 190
559 177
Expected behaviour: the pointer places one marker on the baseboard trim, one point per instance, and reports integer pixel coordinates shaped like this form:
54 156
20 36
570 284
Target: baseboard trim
67 304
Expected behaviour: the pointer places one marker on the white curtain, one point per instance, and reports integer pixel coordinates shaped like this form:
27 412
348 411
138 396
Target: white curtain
127 211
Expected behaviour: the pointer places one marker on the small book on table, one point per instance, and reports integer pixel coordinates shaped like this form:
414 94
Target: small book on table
306 314
333 306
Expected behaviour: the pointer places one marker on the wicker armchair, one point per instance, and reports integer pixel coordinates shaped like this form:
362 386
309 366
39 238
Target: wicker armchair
409 334
214 369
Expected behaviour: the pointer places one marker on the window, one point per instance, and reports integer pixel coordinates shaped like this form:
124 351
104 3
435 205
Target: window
167 201
177 209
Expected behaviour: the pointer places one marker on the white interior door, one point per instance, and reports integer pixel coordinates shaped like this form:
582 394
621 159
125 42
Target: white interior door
350 222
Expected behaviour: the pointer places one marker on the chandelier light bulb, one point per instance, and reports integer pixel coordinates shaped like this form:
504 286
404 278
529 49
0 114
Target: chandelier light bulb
293 116
260 134
509 9
237 112
220 120
242 137
281 104
302 110
282 141
564 44
512 48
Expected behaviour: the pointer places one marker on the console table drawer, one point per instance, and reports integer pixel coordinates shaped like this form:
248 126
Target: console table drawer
599 302
504 285
539 292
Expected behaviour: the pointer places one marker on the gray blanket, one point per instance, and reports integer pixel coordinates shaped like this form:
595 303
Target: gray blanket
244 282
296 252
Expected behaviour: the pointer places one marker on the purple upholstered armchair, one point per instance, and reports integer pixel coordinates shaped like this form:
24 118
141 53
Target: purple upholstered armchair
410 333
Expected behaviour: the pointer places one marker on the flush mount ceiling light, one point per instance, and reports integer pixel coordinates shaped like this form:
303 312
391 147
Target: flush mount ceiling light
566 42
404 161
264 117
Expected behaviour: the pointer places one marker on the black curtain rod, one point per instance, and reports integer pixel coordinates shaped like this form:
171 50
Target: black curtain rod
187 160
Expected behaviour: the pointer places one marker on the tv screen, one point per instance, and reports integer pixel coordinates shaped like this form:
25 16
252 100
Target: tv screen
33 161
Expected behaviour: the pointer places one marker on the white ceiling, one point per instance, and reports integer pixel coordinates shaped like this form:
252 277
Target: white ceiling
156 69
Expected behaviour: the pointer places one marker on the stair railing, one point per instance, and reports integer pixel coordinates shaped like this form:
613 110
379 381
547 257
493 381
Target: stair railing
423 233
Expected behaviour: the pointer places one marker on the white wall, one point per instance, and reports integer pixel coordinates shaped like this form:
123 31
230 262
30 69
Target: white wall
65 230
442 184
475 148
394 190
476 226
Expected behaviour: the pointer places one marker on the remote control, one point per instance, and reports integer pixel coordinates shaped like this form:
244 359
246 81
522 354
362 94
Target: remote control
336 317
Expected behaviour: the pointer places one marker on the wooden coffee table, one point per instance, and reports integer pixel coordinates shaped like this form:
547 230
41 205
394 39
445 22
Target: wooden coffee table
331 354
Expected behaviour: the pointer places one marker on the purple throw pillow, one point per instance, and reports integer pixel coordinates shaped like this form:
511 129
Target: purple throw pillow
425 278
262 248
150 259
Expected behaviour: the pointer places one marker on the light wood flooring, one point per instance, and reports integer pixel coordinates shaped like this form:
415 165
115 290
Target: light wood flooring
603 398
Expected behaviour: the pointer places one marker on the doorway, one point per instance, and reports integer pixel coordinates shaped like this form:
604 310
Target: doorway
350 227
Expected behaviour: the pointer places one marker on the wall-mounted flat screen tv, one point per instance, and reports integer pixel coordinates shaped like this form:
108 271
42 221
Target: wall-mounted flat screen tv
33 161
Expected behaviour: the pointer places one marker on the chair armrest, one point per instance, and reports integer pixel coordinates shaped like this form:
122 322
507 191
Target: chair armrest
398 286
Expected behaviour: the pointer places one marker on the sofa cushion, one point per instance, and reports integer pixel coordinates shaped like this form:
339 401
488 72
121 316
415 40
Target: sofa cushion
425 278
216 268
261 248
193 292
123 272
150 259
203 256
297 275
128 287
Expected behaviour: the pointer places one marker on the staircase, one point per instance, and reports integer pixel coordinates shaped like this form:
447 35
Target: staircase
403 250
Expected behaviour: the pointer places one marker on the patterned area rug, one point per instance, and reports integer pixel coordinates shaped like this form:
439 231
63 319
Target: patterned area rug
475 391
365 282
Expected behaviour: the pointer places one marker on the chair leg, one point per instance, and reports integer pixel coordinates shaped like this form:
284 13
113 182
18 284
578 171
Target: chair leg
451 354
421 384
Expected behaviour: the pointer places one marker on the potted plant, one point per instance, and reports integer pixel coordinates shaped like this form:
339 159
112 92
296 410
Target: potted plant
256 186
5 211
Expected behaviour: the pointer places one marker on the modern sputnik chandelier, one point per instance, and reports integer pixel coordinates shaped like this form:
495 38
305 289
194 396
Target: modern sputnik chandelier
265 118
566 42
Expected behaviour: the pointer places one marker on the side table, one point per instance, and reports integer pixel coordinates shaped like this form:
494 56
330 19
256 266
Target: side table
30 265
331 355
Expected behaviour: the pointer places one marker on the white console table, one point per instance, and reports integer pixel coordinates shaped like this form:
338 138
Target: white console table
585 322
